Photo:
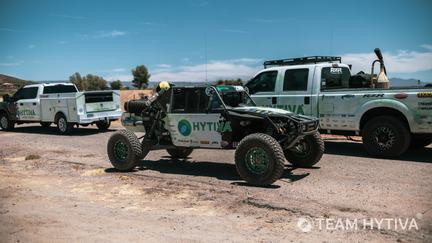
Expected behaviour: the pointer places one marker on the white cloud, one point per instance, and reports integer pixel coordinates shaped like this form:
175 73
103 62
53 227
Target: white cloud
222 69
235 31
427 46
66 16
12 30
102 34
402 61
163 65
121 77
10 64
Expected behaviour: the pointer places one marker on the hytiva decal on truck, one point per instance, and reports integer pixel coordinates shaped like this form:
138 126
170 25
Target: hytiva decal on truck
26 113
293 108
185 127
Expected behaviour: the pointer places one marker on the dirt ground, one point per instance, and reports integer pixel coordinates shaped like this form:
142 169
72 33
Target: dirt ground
67 191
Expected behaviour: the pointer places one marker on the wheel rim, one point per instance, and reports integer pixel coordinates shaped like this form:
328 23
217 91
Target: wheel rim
384 138
120 151
4 122
302 148
62 124
257 160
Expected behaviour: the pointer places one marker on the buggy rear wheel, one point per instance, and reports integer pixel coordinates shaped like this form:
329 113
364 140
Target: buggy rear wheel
259 159
307 152
180 153
124 150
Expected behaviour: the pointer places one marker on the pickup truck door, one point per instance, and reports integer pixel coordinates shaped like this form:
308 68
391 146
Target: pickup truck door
27 101
338 104
263 88
296 91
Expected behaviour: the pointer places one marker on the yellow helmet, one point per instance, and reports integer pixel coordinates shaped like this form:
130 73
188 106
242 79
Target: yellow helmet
164 85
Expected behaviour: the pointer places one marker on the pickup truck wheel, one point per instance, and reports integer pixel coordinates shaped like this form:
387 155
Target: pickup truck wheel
124 150
63 126
45 124
420 141
180 153
103 125
386 136
5 123
307 152
259 159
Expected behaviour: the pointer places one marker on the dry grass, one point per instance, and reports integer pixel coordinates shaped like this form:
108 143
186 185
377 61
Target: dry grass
32 157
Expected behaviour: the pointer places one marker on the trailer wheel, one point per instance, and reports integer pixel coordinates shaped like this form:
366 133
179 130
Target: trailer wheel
63 126
124 150
103 125
307 152
180 153
386 136
45 124
259 159
5 123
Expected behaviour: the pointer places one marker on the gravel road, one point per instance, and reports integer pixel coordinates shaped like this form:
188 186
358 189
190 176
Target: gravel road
69 192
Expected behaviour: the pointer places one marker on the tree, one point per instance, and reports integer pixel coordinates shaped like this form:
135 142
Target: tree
78 81
95 82
141 77
88 82
117 85
229 82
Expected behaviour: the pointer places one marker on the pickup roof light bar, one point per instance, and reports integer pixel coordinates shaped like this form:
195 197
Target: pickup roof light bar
302 60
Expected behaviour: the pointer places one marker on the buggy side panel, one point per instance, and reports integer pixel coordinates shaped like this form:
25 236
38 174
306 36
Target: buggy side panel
199 130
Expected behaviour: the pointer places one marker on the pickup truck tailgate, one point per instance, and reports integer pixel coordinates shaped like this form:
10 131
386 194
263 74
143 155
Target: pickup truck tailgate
99 101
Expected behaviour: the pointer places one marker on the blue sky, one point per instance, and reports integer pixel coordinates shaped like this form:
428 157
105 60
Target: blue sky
50 40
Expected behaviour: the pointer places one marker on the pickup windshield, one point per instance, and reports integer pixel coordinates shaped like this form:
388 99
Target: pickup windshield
59 88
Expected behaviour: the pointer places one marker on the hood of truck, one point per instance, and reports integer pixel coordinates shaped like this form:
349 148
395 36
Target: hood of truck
262 110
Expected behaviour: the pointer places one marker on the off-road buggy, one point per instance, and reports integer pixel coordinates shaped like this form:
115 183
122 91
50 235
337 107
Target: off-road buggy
180 119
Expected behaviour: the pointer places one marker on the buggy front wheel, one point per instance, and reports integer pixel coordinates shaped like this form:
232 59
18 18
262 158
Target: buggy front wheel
259 159
124 150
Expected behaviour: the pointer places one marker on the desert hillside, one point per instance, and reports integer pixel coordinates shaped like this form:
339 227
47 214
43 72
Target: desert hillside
9 84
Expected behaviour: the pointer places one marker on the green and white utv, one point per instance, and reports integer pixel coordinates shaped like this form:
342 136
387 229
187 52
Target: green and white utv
181 119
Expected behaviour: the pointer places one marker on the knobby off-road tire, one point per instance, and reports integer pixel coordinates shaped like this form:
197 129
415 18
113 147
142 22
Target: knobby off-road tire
103 125
45 124
386 136
124 150
307 152
259 159
63 126
420 141
180 153
5 123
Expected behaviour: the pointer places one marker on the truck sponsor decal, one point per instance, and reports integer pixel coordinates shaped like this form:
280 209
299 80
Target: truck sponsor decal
336 70
293 108
424 95
26 113
185 127
425 105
